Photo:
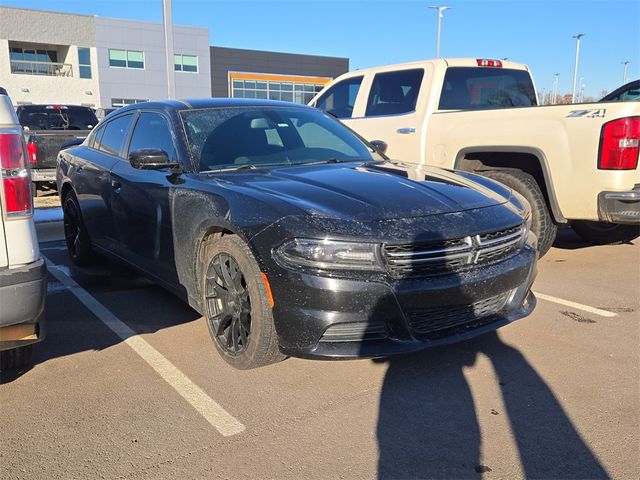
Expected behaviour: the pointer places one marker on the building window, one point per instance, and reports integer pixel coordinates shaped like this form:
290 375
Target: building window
33 55
121 102
289 89
126 58
185 63
84 60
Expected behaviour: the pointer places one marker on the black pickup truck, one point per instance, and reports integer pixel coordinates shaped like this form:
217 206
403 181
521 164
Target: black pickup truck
46 128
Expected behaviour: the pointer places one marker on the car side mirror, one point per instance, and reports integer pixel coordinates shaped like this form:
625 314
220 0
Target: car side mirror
379 145
150 159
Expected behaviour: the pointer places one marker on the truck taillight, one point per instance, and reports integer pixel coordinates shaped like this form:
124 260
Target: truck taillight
32 151
483 62
619 144
14 173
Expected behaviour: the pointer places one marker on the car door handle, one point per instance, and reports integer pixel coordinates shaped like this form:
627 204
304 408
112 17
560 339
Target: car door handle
115 185
406 130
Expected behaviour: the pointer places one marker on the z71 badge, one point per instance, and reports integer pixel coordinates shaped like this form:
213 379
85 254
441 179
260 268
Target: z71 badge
594 113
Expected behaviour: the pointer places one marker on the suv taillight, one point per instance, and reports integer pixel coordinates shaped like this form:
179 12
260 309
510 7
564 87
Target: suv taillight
14 173
619 144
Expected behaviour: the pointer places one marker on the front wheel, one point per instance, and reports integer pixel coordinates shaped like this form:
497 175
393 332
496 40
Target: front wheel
542 223
602 233
236 304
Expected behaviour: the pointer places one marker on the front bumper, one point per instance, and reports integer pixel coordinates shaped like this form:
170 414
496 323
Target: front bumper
327 317
22 297
620 207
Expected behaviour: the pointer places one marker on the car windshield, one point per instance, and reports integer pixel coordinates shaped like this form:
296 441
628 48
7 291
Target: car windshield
243 137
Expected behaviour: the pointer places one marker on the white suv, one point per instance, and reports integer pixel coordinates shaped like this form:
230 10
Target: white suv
23 273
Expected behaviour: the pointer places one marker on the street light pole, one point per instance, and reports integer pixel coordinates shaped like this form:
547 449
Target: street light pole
624 75
555 88
581 90
440 9
575 69
168 45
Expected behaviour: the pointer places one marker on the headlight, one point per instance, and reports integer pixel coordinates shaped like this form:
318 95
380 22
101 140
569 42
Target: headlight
329 255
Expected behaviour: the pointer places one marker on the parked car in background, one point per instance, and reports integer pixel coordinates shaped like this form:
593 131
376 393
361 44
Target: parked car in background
629 92
46 128
291 235
22 268
573 163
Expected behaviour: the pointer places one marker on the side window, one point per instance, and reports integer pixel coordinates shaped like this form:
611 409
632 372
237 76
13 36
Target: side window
115 134
393 93
95 137
340 99
152 131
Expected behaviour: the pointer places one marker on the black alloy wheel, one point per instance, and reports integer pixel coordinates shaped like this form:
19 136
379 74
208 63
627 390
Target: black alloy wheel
75 234
229 304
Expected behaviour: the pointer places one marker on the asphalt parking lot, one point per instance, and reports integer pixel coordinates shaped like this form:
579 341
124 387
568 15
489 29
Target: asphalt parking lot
128 385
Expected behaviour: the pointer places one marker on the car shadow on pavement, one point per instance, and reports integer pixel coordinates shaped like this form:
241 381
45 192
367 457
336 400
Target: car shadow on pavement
71 328
428 424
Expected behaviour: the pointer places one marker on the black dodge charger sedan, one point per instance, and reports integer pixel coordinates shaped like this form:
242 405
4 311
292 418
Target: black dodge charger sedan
291 235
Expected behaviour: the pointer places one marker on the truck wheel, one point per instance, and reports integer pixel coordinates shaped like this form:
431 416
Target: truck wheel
75 232
16 358
236 305
602 233
542 223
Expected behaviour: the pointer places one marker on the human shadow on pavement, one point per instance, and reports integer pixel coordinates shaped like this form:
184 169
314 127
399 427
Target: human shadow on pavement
428 427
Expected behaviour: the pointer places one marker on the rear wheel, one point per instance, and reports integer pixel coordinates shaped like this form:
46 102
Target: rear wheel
602 233
75 232
542 223
236 305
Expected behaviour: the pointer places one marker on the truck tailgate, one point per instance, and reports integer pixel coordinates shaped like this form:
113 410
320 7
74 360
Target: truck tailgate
47 145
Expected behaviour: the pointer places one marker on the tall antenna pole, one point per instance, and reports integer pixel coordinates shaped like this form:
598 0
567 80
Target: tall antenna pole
624 74
440 9
168 45
575 69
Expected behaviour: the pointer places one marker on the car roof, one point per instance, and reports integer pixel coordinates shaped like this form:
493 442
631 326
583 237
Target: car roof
199 103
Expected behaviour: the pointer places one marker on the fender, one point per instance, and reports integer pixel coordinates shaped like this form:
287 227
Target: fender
542 161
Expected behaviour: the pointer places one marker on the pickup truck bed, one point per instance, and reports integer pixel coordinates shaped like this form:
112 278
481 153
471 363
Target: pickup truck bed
46 128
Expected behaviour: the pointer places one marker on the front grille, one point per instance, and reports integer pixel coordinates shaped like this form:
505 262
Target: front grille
437 322
451 256
355 332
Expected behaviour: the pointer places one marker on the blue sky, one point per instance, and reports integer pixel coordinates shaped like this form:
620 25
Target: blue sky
372 32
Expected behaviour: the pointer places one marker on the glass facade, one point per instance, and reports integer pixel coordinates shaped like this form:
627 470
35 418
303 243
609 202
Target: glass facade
126 58
121 102
84 61
287 91
185 63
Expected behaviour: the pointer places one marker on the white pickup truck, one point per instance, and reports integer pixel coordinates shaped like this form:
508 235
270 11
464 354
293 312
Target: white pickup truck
574 163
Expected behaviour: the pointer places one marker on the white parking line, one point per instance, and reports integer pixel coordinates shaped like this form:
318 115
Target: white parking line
579 306
222 421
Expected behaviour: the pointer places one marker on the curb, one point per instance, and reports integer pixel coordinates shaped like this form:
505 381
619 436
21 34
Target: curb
49 224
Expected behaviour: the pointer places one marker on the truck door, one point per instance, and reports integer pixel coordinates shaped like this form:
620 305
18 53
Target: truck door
391 112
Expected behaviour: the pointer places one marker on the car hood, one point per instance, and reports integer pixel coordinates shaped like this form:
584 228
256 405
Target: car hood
366 191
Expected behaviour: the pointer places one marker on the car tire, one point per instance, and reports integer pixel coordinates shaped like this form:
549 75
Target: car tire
75 232
236 304
16 358
542 223
602 233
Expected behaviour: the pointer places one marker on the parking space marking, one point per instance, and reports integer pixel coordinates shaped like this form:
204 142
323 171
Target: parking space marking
217 416
579 306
